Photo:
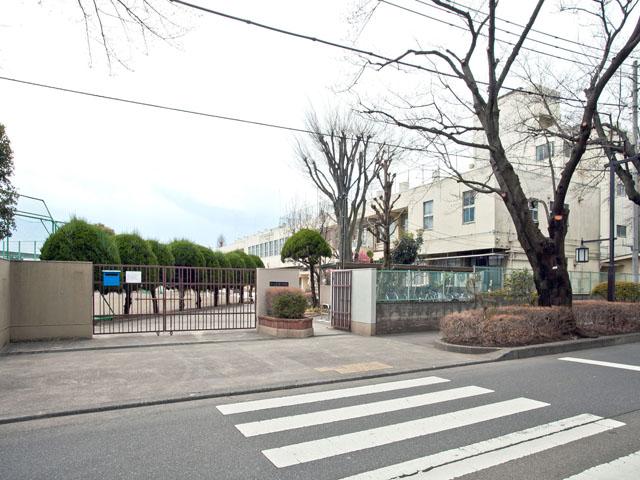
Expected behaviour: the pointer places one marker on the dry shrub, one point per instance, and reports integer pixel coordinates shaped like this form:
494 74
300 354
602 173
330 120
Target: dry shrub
607 318
273 292
507 326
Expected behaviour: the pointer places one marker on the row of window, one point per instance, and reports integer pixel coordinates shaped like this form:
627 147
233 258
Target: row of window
468 210
267 249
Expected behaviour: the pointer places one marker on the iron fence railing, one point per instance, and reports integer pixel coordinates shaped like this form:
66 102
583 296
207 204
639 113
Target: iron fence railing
443 286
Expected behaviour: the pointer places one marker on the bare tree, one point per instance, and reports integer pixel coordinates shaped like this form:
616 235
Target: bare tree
343 163
382 224
221 241
106 22
479 101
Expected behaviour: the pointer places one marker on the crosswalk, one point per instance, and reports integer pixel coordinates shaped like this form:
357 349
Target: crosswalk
273 416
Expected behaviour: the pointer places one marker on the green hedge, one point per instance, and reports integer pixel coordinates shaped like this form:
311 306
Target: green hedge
288 303
625 291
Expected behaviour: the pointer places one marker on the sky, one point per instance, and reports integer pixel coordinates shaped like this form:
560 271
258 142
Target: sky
172 175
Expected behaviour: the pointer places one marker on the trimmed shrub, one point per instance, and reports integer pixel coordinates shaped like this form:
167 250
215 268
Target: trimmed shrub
286 302
210 260
509 326
273 292
186 254
235 260
625 291
82 242
221 259
162 252
133 250
257 261
607 318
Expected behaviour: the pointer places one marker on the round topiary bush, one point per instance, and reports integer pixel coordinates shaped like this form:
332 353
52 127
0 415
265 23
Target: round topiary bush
81 242
133 250
186 254
257 261
625 291
162 252
288 303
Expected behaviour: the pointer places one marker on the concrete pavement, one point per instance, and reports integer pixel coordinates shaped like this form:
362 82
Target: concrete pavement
53 378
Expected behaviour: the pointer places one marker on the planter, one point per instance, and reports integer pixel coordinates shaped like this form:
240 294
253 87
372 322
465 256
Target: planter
286 327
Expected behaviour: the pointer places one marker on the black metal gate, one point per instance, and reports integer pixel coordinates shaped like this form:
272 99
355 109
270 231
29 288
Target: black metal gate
143 298
341 299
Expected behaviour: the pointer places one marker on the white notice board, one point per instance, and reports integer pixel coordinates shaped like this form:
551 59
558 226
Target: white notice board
133 277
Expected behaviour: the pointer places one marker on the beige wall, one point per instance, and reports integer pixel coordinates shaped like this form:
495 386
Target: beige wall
5 297
266 275
50 300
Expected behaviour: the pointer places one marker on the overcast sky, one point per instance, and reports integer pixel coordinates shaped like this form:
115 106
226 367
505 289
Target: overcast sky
167 174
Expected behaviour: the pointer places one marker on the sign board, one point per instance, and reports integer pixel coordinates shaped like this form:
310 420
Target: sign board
111 278
133 277
278 284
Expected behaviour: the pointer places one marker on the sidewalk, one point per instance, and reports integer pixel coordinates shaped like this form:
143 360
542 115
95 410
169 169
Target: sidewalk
120 371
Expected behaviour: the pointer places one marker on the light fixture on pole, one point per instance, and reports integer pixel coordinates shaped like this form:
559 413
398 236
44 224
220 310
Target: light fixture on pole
582 254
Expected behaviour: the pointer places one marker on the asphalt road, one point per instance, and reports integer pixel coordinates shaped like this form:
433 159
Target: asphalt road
541 418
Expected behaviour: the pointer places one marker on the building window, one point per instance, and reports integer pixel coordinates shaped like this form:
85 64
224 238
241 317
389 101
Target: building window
533 208
468 206
544 151
427 212
621 231
620 192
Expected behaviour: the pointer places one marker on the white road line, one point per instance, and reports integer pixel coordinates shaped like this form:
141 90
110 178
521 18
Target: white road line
252 406
375 437
412 467
514 452
356 411
624 468
602 364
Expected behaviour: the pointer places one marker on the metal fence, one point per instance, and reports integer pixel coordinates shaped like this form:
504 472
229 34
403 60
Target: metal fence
142 298
441 286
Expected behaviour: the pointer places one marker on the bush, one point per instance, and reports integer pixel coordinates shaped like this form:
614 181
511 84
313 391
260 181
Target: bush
285 302
186 254
507 326
133 250
162 252
625 291
607 318
519 286
80 241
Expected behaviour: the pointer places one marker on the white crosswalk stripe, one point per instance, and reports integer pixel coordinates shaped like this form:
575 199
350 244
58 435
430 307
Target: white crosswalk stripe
599 363
449 464
243 407
623 468
375 437
356 411
412 467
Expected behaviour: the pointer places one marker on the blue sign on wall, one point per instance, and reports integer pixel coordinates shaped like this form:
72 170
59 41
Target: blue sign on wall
111 278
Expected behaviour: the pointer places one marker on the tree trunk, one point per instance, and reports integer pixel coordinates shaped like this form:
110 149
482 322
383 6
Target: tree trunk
127 299
216 291
312 277
154 300
198 298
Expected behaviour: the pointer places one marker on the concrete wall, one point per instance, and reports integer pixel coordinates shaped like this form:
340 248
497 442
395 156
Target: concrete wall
51 300
5 303
363 301
265 276
400 317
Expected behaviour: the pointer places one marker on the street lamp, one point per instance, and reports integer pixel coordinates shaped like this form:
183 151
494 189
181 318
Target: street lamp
582 254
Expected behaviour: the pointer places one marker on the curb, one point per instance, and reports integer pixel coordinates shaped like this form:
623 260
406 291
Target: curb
529 351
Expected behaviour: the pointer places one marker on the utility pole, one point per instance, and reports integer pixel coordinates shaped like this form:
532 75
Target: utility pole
634 139
611 272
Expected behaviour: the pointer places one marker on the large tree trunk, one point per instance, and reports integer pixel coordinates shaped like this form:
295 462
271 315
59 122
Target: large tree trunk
127 299
154 300
312 278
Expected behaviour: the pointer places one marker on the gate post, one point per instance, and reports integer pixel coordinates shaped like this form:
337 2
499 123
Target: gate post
363 302
164 299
